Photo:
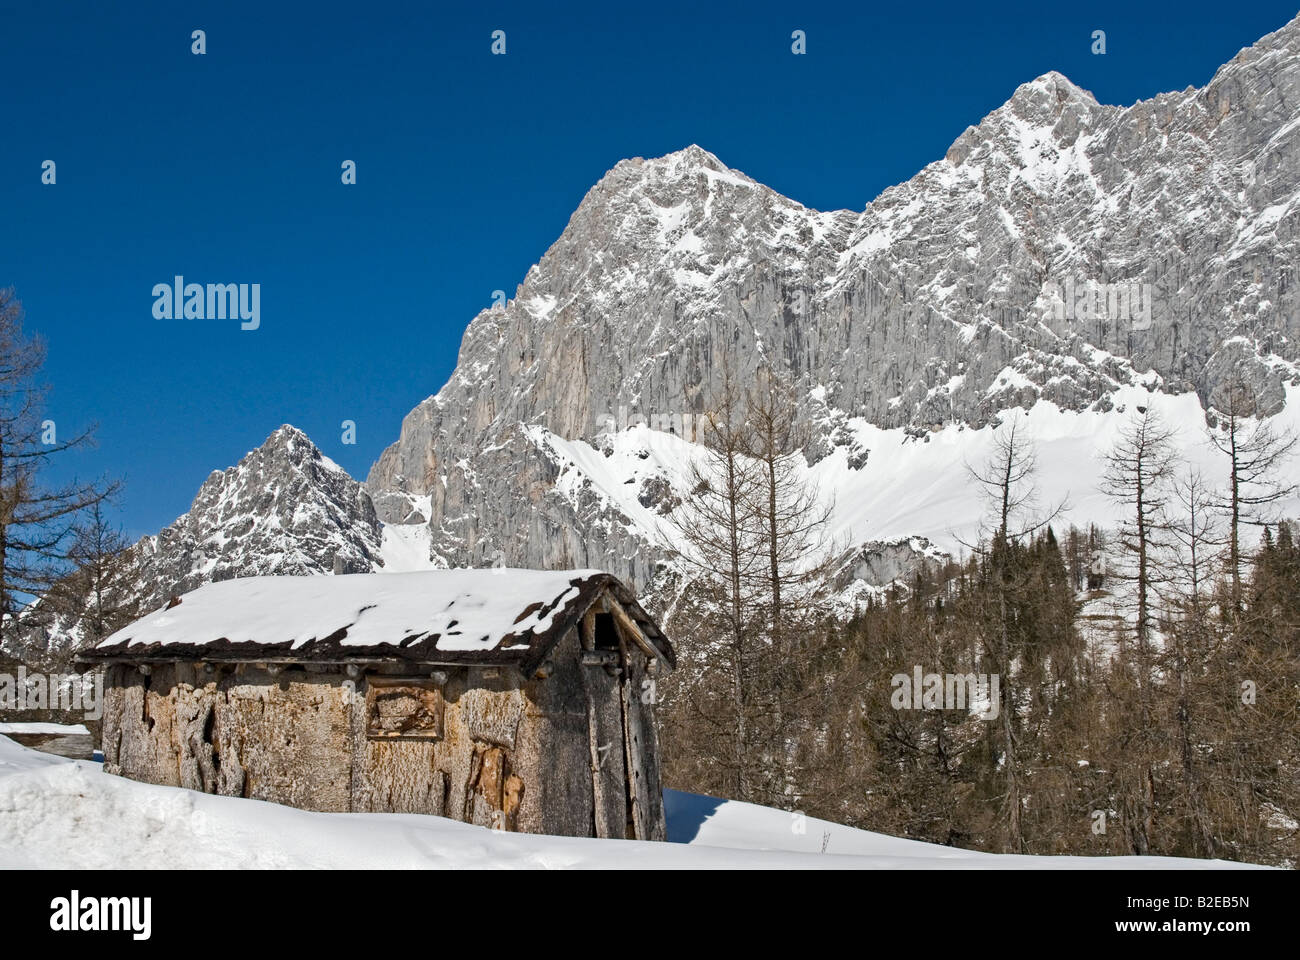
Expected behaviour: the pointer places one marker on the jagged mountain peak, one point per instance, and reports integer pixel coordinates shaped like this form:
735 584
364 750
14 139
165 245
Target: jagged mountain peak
287 433
659 194
296 446
284 508
687 160
678 189
1042 117
1053 89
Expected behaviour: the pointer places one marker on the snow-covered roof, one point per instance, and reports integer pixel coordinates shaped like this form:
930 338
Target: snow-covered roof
436 616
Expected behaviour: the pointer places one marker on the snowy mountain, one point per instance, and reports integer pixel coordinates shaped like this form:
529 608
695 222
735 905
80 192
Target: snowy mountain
1065 261
1064 256
285 508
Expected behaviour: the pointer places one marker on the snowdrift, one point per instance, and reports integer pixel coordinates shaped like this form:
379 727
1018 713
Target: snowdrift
64 814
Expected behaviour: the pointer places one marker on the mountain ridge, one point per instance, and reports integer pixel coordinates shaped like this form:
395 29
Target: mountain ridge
939 303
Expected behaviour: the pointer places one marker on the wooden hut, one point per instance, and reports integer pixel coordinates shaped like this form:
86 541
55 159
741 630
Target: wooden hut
517 699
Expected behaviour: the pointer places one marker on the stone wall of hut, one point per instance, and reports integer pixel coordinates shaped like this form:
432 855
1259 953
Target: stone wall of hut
509 752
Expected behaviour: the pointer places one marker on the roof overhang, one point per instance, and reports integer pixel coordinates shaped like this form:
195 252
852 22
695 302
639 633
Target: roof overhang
527 650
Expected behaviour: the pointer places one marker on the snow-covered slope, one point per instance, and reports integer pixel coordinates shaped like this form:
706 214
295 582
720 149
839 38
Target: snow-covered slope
886 485
61 814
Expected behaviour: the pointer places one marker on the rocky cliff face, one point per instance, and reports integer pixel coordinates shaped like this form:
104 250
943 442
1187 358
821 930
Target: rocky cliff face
1060 250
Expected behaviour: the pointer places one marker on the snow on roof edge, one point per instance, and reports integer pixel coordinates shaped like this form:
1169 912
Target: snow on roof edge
440 616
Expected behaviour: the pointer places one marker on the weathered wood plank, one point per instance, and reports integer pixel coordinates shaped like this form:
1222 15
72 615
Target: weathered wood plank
604 737
633 632
636 780
641 721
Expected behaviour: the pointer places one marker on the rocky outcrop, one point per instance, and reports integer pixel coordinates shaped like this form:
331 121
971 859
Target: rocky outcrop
285 508
882 563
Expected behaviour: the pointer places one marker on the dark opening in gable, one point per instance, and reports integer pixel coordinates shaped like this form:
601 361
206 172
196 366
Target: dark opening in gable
606 632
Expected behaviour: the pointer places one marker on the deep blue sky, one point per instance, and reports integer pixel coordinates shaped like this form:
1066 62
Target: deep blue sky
225 168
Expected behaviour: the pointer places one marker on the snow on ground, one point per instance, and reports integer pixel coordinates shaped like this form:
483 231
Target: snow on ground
64 814
53 729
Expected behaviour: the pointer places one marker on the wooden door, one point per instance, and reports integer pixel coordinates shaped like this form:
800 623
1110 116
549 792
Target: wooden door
641 747
605 731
